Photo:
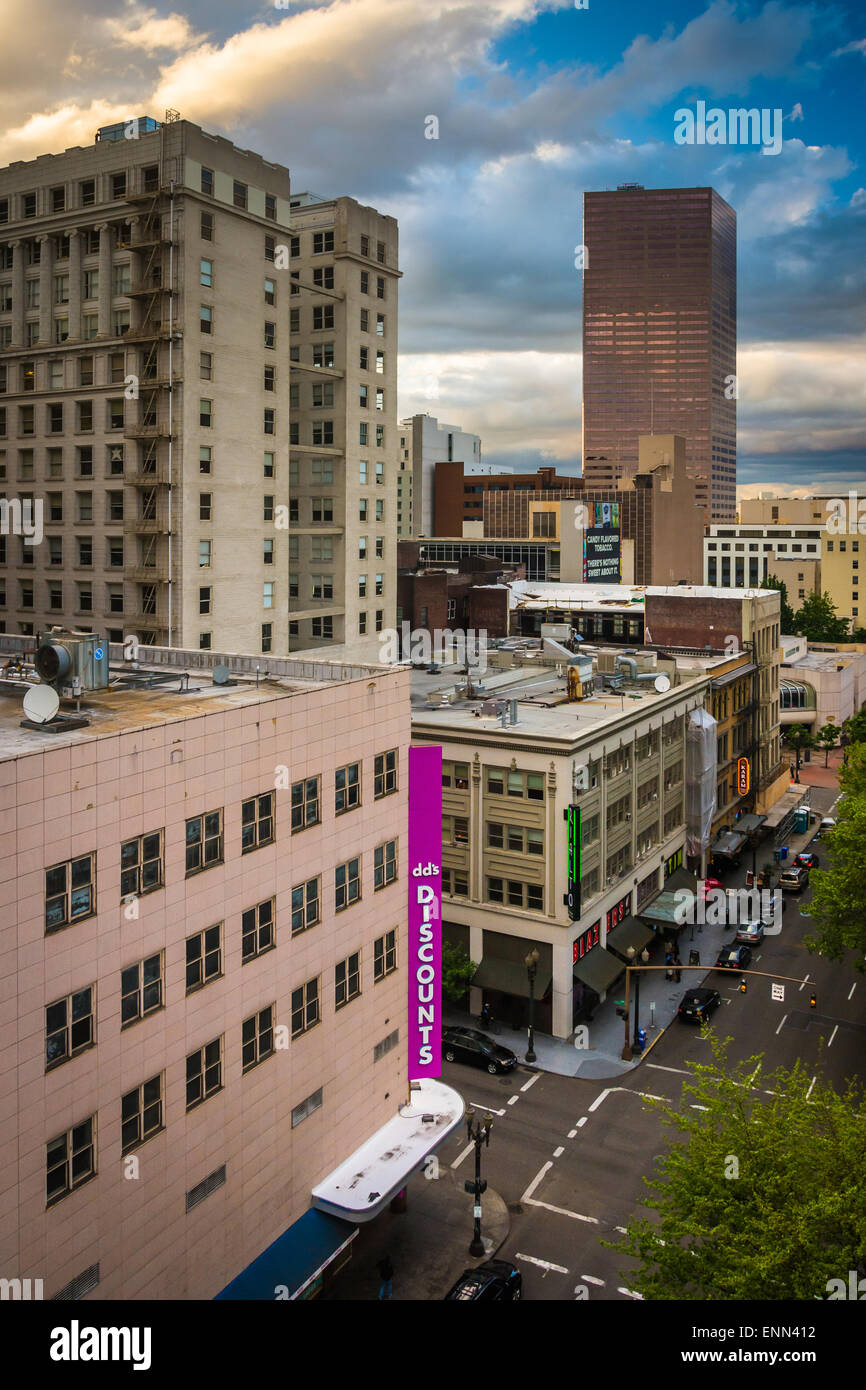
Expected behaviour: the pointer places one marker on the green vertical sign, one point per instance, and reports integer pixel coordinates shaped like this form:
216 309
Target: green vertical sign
573 896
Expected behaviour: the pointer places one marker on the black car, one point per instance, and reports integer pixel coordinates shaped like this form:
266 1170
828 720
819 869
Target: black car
494 1281
733 957
806 860
696 1005
476 1050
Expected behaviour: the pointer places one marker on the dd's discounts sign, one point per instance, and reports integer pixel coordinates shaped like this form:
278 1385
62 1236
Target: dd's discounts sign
425 912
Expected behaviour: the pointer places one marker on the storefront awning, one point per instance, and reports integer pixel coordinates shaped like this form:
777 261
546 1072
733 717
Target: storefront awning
750 824
295 1260
510 977
598 969
729 842
630 932
730 676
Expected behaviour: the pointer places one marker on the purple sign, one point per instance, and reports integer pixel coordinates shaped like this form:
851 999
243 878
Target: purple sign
425 912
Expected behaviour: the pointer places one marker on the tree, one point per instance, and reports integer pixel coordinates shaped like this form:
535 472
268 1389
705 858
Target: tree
786 614
858 634
817 621
457 972
855 727
838 907
798 737
757 1195
827 737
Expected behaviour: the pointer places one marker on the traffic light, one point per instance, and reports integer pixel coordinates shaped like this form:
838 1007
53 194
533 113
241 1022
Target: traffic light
743 985
813 1000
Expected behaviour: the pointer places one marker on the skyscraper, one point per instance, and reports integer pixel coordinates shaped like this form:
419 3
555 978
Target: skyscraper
660 334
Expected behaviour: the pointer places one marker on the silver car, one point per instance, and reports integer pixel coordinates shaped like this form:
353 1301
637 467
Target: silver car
750 934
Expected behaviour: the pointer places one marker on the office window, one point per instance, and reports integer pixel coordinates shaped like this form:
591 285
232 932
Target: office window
267 634
204 554
206 318
271 334
322 242
204 839
306 899
323 627
204 1069
70 892
205 367
239 194
206 226
257 930
70 1027
305 803
204 957
323 316
347 788
141 989
269 464
257 822
305 1007
384 864
347 980
141 1114
269 421
70 1160
384 955
257 1038
141 865
347 884
384 774
380 325
207 182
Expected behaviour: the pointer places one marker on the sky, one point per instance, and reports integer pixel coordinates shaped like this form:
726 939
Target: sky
535 102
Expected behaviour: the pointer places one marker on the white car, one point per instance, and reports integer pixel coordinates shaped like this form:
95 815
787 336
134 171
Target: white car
828 823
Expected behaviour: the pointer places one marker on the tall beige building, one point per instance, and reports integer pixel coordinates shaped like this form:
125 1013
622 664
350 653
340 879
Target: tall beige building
153 296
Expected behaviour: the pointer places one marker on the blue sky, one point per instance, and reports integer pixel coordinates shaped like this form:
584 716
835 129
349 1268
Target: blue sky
536 102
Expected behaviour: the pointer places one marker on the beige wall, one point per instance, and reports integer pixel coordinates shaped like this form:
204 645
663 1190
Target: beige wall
843 556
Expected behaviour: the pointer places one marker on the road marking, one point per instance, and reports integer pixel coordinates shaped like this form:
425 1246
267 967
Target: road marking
557 1153
542 1264
531 1082
465 1154
853 987
754 1074
561 1211
513 1099
781 1025
581 1122
536 1180
572 1133
699 1107
803 985
678 1070
591 1279
629 1293
600 1099
478 1106
832 1035
621 1228
811 1084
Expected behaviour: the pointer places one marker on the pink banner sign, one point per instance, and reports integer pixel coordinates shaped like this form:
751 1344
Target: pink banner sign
425 912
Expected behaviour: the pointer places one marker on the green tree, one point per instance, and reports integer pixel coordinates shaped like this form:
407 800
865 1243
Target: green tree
457 972
798 737
786 616
838 907
817 621
855 727
858 635
757 1195
827 737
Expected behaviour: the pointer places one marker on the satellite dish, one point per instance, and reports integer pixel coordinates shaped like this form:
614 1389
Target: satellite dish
41 704
221 675
661 684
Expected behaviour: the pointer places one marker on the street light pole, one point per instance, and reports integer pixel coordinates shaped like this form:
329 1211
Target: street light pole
531 963
478 1135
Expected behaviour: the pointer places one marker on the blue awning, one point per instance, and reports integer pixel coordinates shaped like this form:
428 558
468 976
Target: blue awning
295 1260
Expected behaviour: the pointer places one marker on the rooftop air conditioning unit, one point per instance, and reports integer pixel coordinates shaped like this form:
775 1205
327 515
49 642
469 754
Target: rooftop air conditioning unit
72 662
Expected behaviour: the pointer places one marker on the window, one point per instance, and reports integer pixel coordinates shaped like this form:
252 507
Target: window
257 822
305 1007
204 554
362 436
347 788
269 420
205 413
380 286
205 506
386 1045
69 1027
140 989
271 207
141 864
323 317
384 865
455 830
380 252
207 182
270 248
239 194
380 363
322 242
267 551
455 882
323 277
323 627
204 1070
384 774
307 1107
70 1160
268 595
141 1114
380 583
204 957
380 325
270 335
61 289
120 281
204 834
206 273
115 413
347 980
306 909
205 316
365 282
70 892
347 883
519 784
207 226
118 186
305 804
205 369
257 1038
455 775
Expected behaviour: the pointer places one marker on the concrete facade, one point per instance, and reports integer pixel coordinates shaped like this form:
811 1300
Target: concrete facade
429 441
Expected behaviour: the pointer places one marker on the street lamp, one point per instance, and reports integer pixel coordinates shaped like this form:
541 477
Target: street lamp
531 963
478 1135
644 958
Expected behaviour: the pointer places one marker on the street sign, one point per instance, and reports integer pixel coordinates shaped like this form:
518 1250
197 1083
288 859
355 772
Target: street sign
476 1212
573 896
777 992
744 776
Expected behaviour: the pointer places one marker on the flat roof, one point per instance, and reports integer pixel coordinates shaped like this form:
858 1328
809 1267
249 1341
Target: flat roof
820 661
616 597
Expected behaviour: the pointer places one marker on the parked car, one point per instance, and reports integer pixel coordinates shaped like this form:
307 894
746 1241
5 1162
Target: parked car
827 823
806 859
696 1005
475 1049
733 957
750 933
794 880
494 1281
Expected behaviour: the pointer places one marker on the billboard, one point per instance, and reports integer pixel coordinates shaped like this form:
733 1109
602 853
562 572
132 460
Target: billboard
425 913
744 776
601 544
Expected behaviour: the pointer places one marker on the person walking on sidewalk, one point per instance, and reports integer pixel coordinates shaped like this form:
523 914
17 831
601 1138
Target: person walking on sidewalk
386 1273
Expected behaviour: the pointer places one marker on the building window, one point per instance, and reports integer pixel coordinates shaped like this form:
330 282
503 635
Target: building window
204 554
386 1045
204 957
257 1038
455 882
140 1114
141 864
205 367
69 1027
305 804
385 955
307 1107
455 775
347 788
270 335
385 774
70 892
204 1071
322 242
306 909
206 226
70 1160
207 182
384 865
347 883
239 194
305 1007
140 989
257 822
204 839
347 980
205 316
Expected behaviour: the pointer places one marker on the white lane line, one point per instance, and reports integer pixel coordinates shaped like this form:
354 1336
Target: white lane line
478 1106
832 1035
572 1133
561 1211
536 1180
811 1084
679 1070
513 1099
591 1279
557 1153
803 985
699 1107
531 1082
465 1154
542 1264
629 1293
599 1100
781 1025
853 987
622 1229
581 1122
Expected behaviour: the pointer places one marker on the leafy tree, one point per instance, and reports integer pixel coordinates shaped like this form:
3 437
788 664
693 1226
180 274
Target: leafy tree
786 616
855 727
757 1195
457 972
817 621
858 635
798 737
827 737
838 907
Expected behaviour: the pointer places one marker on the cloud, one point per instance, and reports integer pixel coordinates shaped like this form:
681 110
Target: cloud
855 46
151 32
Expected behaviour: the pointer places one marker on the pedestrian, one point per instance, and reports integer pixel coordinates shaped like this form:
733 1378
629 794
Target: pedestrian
678 975
485 1015
386 1272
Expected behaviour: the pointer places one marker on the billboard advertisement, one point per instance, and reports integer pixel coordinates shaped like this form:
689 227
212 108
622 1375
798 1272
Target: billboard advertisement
601 544
425 913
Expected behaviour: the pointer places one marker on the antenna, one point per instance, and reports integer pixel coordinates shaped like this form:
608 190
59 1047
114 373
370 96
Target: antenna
41 704
220 675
